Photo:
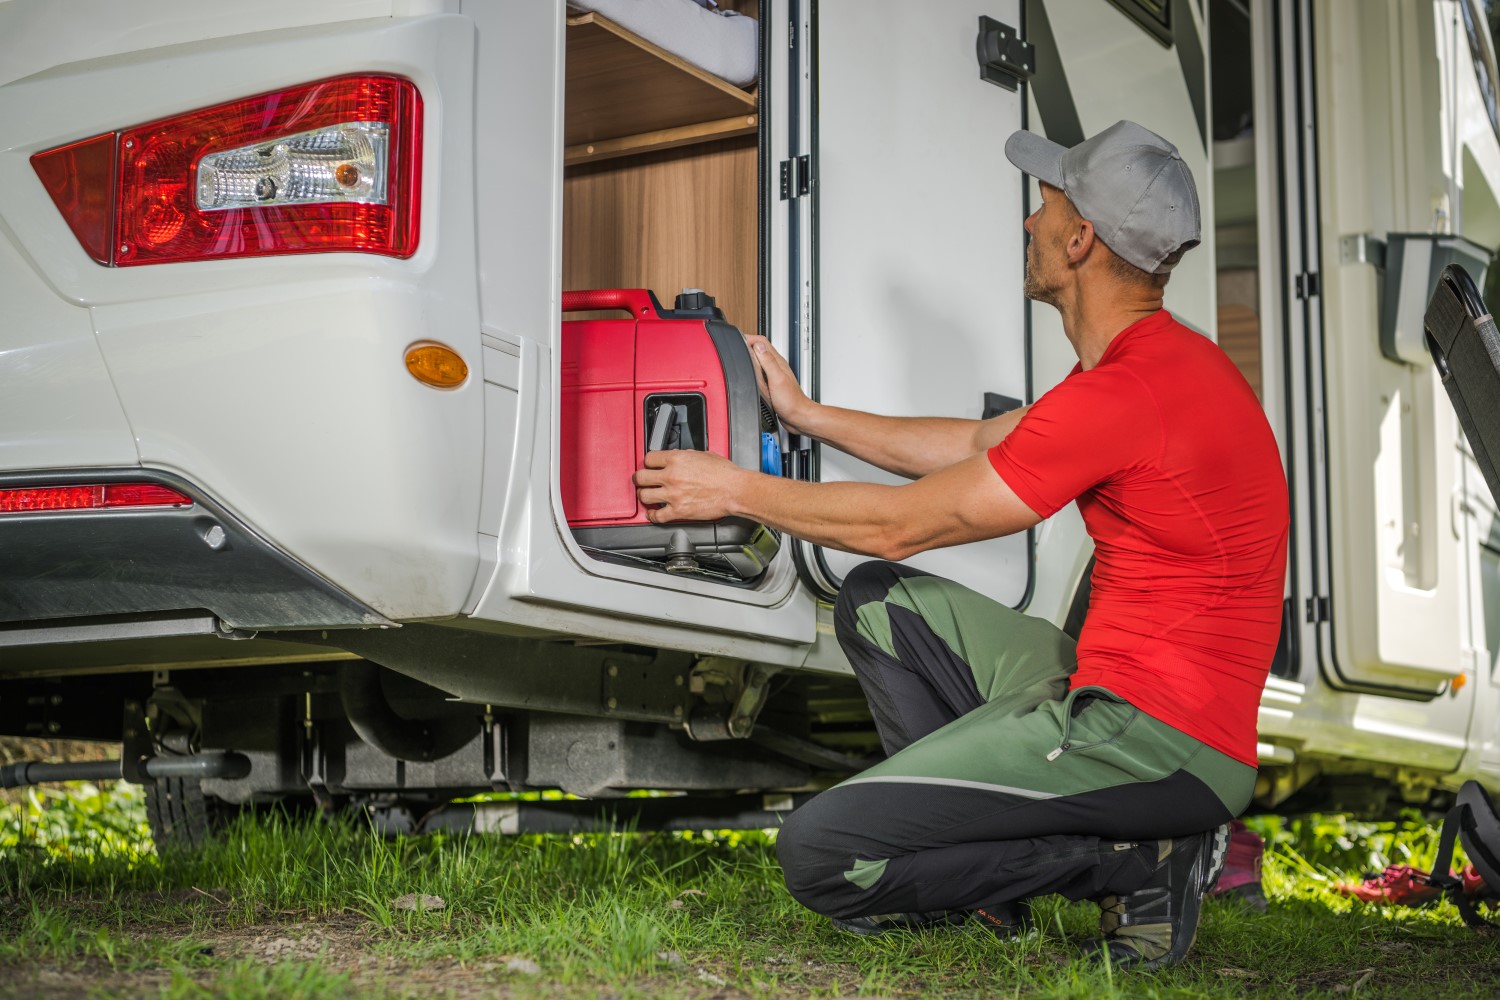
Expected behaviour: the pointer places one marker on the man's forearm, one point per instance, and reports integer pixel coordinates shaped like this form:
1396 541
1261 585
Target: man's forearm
964 502
851 517
907 446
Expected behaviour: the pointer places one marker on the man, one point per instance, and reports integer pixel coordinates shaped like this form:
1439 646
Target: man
1018 764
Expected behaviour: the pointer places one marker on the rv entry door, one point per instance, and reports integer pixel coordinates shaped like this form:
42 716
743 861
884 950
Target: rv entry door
912 302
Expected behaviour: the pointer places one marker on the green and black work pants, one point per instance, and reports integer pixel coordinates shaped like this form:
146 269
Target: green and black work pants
1000 783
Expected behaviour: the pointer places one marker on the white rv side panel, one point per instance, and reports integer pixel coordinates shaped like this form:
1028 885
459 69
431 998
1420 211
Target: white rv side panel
1392 460
58 407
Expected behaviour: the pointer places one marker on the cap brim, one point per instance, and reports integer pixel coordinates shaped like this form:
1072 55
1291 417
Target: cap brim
1041 158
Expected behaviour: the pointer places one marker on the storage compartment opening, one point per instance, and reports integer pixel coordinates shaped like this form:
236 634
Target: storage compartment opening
1236 212
661 187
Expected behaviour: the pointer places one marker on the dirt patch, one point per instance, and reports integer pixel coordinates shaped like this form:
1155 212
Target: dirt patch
348 945
337 943
47 982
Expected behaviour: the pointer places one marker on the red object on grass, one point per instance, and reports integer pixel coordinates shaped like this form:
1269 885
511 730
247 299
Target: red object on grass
1398 885
1403 885
1241 875
1242 867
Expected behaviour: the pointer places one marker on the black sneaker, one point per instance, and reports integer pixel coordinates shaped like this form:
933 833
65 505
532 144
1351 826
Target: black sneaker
1006 920
883 923
1154 927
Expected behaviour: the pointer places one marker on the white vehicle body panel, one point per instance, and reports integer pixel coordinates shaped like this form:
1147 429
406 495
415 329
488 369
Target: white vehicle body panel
385 506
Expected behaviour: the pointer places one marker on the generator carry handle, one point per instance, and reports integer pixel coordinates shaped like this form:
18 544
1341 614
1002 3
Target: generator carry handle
637 301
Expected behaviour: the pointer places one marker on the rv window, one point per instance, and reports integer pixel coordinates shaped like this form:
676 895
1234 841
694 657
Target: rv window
1153 15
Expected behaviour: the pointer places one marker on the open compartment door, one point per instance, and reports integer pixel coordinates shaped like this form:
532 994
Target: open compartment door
917 241
1460 335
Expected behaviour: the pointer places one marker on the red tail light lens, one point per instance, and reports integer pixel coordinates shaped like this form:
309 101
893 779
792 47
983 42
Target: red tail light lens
323 167
109 496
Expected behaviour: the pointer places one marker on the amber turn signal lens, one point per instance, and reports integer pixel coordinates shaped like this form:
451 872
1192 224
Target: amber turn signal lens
436 365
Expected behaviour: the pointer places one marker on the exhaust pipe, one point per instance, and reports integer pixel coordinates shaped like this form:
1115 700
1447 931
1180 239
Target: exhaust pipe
375 722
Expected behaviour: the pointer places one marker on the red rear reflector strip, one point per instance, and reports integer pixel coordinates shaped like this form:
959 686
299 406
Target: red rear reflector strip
109 496
81 180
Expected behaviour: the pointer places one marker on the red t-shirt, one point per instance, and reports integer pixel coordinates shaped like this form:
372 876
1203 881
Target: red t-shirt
1175 470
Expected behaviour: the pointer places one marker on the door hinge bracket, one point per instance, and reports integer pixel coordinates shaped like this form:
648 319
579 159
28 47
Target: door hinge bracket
796 177
1004 58
1308 285
1318 610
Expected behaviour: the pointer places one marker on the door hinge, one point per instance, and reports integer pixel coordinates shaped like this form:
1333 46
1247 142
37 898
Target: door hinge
796 177
1318 610
1004 58
1308 285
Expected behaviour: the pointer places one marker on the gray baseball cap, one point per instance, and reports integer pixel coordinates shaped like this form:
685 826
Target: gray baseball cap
1128 181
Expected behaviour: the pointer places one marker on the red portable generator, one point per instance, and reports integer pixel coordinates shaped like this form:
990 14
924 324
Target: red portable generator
659 380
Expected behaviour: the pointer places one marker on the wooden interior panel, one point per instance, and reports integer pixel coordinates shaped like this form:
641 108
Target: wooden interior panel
619 84
1239 323
1239 336
683 218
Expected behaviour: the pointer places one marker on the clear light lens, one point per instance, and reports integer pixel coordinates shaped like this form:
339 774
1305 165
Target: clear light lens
341 163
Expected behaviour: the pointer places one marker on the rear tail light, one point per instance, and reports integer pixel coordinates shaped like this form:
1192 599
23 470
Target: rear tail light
327 166
107 496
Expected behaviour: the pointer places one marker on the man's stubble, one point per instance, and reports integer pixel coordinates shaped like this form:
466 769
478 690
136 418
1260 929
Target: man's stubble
1039 286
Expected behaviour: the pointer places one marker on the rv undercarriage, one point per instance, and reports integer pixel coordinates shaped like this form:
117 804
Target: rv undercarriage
508 714
500 714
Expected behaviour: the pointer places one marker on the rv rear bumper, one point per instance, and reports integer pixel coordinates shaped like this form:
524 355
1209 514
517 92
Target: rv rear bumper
72 564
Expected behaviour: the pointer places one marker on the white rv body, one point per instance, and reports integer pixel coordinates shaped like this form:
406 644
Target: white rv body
888 251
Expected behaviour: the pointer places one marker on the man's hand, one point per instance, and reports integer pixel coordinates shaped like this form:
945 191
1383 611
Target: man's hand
687 486
779 385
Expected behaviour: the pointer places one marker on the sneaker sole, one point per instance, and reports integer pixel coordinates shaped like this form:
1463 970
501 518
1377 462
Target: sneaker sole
1218 856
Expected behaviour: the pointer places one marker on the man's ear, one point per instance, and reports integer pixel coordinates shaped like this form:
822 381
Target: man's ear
1081 242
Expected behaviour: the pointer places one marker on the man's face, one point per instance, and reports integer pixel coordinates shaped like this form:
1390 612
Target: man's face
1046 252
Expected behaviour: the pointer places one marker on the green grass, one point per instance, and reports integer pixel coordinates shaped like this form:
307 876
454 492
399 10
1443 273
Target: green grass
305 909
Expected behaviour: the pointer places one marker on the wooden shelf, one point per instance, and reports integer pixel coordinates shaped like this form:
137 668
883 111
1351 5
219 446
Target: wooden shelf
625 95
668 138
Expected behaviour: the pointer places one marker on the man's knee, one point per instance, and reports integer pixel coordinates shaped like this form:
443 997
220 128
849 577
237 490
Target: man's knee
814 858
866 583
797 850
